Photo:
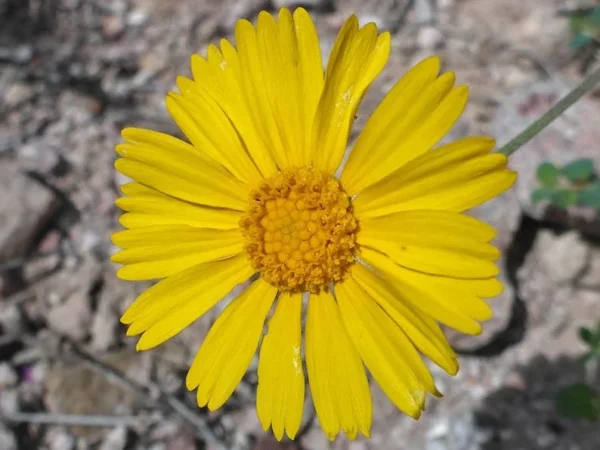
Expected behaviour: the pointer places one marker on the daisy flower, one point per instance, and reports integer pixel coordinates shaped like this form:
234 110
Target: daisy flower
383 251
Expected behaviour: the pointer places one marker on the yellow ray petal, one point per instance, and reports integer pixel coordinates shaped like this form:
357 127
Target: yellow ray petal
337 378
290 57
434 242
311 76
220 77
405 126
280 395
386 351
208 128
175 302
193 184
357 57
454 302
227 351
150 253
148 207
421 329
454 177
256 84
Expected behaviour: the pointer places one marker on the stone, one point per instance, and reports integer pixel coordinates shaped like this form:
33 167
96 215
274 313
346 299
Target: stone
429 38
116 439
27 206
8 376
548 275
9 401
17 94
59 439
73 317
7 438
112 27
75 388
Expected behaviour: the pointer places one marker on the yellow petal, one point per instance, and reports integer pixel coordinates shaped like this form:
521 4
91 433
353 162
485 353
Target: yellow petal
311 76
293 75
454 302
280 395
148 207
434 242
175 168
337 378
357 57
175 302
227 351
386 351
454 177
421 329
412 118
208 128
161 251
256 83
220 77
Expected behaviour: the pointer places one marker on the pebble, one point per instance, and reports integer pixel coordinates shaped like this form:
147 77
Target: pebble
18 93
59 439
137 17
429 38
7 438
8 376
115 440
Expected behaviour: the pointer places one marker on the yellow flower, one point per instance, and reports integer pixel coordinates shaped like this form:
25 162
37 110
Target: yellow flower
383 250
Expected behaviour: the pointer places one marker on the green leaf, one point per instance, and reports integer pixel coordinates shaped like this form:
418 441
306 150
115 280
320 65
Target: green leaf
588 357
594 16
541 194
579 41
590 196
565 198
579 170
586 335
578 401
547 175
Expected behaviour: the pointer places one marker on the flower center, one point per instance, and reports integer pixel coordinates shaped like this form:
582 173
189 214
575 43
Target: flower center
300 231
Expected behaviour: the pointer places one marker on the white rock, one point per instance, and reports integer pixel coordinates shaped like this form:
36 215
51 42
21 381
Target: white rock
115 440
8 376
429 38
9 401
59 439
7 438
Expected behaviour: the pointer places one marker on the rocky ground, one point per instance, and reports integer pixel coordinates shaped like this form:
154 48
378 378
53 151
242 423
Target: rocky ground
74 72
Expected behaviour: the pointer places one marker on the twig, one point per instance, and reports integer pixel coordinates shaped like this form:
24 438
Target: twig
566 102
73 420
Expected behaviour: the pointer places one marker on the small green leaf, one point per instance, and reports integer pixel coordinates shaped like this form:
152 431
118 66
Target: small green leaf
578 401
579 41
565 198
579 170
588 357
586 335
590 196
594 16
547 175
541 194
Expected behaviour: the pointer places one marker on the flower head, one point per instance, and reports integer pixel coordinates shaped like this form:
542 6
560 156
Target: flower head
384 252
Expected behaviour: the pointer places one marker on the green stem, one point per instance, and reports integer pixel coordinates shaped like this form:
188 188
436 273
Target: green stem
532 130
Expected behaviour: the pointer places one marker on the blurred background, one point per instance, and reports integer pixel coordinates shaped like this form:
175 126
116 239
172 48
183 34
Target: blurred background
74 72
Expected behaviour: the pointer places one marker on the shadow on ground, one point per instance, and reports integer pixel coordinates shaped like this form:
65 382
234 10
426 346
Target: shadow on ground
522 415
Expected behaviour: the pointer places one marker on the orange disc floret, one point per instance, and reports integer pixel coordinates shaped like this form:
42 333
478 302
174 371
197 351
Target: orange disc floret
300 230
